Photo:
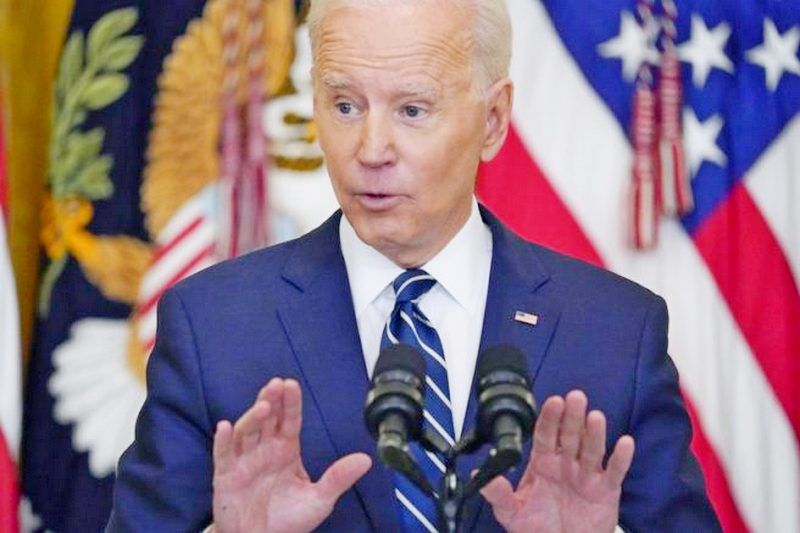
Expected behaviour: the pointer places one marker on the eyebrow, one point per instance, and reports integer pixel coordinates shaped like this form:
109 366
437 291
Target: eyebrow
419 90
335 82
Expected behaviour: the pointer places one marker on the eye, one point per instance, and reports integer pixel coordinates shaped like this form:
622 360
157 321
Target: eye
344 108
412 111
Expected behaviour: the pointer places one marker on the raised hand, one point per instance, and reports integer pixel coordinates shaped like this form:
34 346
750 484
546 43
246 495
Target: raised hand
565 487
260 483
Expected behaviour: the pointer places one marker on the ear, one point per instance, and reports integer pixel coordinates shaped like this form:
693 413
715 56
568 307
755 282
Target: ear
499 99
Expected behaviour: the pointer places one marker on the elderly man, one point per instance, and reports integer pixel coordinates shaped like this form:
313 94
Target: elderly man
410 95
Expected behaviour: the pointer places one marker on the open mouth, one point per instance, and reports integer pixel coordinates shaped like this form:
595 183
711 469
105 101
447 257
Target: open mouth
378 201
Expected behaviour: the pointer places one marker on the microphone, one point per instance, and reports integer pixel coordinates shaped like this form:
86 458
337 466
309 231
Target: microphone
506 409
393 410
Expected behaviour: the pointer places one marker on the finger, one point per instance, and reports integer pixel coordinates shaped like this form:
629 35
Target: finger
569 436
620 461
292 410
545 434
499 493
272 393
249 441
593 443
267 392
342 475
223 447
246 431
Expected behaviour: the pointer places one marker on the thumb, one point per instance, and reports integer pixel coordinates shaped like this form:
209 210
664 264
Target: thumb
342 475
499 493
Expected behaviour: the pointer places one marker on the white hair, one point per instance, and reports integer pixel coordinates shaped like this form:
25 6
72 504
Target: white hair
492 34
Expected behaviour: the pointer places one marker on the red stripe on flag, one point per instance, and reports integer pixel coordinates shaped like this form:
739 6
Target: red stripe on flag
163 250
756 281
185 269
9 493
9 490
514 187
719 490
148 346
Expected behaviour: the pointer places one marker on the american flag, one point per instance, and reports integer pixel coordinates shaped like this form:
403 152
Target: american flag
10 366
729 269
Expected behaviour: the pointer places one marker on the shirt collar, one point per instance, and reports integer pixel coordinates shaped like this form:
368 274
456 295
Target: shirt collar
455 267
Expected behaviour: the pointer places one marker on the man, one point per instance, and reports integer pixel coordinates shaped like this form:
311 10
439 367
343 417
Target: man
409 97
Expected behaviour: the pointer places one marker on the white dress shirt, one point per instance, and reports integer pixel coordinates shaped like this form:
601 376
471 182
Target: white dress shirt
455 305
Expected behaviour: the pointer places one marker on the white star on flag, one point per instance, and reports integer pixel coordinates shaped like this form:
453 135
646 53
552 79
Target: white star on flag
778 53
700 140
634 45
706 50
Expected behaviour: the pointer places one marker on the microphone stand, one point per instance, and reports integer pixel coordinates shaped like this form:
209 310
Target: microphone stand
454 492
507 408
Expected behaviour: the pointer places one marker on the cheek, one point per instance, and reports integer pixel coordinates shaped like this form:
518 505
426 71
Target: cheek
448 166
337 148
335 138
456 142
327 140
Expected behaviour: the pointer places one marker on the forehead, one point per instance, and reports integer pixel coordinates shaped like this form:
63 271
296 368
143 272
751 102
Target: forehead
428 38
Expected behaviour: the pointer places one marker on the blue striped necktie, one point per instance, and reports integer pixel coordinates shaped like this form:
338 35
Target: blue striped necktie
408 325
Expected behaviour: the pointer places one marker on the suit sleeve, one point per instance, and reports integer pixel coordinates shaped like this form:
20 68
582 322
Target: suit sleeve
164 478
664 490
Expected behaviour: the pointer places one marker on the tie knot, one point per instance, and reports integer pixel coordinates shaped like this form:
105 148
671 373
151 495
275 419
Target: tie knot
412 284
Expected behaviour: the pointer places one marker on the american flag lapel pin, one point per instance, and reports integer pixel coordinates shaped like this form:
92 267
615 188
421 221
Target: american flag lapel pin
526 318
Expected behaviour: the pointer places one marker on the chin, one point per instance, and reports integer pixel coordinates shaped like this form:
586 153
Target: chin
378 237
383 235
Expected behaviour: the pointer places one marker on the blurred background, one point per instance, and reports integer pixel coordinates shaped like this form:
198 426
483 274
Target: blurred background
143 140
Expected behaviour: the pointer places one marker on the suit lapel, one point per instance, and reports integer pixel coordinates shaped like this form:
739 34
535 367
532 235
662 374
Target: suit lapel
321 325
518 282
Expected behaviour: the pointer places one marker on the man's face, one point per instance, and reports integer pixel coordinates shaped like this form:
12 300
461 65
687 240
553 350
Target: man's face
401 124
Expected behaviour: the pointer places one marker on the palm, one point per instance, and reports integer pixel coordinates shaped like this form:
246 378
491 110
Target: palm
263 482
260 483
561 499
565 487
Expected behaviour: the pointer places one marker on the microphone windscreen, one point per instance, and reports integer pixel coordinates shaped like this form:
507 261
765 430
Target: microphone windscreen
501 358
401 357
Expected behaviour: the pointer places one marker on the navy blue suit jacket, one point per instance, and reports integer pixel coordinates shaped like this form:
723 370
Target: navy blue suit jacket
287 311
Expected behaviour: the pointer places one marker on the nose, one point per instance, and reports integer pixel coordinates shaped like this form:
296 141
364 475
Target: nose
377 148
